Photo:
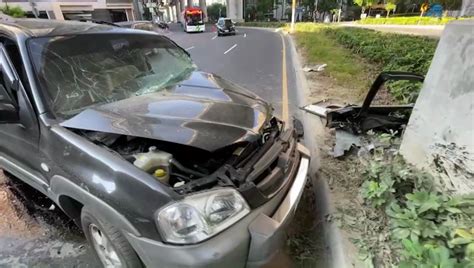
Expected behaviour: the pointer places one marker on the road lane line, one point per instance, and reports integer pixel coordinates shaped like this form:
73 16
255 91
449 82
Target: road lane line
245 35
214 37
189 48
228 50
284 83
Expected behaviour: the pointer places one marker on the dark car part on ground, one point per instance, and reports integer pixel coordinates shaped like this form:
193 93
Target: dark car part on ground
360 119
352 121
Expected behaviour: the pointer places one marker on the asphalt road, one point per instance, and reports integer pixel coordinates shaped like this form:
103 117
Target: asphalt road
253 58
256 59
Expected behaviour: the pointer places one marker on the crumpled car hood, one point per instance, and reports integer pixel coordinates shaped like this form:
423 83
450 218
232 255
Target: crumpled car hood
203 111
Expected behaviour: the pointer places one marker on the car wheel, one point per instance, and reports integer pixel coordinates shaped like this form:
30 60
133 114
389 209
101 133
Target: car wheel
108 243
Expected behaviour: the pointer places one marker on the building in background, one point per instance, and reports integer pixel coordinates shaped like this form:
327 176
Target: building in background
107 10
210 2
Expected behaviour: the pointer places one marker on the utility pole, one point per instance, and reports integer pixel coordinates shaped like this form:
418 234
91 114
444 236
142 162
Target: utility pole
34 10
293 15
137 10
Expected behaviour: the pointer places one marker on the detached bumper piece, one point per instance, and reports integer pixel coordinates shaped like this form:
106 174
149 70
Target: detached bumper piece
268 233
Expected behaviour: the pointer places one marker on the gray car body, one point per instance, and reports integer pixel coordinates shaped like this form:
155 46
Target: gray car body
85 172
46 153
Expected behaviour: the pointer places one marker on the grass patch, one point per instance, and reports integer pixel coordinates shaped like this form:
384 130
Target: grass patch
346 69
416 20
394 52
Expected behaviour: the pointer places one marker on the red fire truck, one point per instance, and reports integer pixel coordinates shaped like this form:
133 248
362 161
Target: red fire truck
193 19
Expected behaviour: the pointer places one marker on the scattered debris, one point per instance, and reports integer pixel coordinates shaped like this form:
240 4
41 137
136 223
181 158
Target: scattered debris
452 162
344 142
315 68
321 108
352 122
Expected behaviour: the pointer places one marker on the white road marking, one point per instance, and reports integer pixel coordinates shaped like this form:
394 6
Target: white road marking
245 35
228 50
214 37
189 48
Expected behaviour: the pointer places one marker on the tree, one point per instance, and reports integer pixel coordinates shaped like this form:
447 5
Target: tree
14 11
449 4
215 11
364 4
390 7
327 5
264 7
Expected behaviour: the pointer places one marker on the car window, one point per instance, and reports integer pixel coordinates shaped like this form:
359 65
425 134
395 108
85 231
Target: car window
111 68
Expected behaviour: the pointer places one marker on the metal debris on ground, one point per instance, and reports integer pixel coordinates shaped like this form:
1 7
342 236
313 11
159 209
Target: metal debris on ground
354 123
315 68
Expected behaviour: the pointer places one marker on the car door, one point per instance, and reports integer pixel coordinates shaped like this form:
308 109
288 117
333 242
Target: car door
19 134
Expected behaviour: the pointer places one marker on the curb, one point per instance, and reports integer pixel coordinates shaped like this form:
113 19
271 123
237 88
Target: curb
338 257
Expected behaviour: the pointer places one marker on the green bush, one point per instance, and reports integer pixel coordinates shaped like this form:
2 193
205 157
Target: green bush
428 227
394 52
265 24
14 11
408 20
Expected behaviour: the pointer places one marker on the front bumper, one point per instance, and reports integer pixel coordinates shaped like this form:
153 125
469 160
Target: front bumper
251 242
195 28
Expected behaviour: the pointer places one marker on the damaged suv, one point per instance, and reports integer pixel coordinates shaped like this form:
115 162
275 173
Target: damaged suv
161 165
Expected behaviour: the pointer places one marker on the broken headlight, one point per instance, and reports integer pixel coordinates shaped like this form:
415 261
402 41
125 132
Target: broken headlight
201 216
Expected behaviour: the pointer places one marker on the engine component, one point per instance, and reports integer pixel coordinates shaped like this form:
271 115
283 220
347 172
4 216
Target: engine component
155 162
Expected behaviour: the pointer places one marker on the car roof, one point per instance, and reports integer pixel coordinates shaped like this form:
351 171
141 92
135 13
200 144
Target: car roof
45 27
132 22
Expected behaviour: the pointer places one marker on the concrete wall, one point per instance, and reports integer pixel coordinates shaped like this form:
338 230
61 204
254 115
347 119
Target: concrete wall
467 8
440 134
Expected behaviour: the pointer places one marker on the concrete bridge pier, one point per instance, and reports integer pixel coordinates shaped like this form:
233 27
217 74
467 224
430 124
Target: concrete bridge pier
235 10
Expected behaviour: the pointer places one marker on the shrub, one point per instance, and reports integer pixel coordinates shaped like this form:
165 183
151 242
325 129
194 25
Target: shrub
394 51
428 227
408 20
14 11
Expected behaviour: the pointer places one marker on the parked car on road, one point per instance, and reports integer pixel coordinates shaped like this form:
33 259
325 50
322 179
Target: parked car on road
160 164
225 26
138 24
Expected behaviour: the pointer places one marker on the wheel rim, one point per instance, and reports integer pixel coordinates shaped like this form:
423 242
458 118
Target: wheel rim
103 246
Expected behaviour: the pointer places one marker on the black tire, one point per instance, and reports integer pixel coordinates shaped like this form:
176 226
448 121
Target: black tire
218 34
124 250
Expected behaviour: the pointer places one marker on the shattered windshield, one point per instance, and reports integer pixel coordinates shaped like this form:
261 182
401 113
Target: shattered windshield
81 71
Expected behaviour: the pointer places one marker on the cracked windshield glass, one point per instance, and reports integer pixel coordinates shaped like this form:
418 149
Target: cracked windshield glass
77 73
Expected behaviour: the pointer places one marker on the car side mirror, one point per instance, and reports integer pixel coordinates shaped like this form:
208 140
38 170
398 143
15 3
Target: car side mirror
8 110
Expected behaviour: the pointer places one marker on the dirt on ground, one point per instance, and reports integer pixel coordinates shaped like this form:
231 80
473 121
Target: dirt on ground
14 218
35 233
359 224
305 242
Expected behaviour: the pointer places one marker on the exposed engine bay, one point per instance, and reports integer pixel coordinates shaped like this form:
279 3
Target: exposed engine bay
188 169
